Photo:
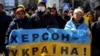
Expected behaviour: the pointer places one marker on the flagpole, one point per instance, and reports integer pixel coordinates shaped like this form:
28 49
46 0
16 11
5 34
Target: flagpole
73 3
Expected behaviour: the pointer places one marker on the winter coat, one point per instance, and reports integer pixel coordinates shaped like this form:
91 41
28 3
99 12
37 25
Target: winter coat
72 24
4 23
43 20
61 22
48 21
35 20
95 30
18 24
79 32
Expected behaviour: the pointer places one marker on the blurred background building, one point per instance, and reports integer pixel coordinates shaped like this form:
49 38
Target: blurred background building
90 4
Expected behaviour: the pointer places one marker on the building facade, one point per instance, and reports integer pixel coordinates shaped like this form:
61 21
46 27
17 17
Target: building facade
14 3
33 3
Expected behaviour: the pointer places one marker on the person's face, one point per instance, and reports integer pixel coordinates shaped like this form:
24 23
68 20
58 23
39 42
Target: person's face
53 12
20 15
1 8
61 11
78 16
65 13
70 13
90 16
41 8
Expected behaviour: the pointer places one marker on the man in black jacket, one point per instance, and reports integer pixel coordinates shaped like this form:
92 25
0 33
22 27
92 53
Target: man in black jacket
4 23
95 30
42 18
61 22
36 18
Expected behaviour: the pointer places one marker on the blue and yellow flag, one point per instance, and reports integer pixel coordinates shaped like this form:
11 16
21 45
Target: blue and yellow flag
49 42
42 1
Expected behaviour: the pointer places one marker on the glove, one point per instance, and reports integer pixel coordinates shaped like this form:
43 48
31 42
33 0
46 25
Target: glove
74 29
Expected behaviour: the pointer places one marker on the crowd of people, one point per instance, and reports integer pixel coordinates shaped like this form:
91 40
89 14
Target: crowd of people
43 17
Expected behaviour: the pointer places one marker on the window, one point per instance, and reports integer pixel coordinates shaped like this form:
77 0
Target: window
9 2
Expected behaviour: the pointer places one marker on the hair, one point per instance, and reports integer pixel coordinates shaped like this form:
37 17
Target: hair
80 21
97 8
78 10
20 10
90 12
65 11
54 8
1 5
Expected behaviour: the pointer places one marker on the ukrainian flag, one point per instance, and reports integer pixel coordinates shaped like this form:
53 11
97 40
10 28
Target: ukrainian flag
42 1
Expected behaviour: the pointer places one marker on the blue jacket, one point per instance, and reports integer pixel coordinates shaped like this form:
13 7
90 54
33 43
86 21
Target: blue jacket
80 35
70 24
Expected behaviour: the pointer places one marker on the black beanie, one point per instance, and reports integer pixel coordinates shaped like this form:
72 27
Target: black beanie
43 3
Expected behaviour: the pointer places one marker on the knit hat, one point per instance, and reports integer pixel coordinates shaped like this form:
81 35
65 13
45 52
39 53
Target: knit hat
21 6
43 3
20 10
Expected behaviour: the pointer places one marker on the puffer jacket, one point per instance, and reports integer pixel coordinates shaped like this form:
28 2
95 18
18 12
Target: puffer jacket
18 24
